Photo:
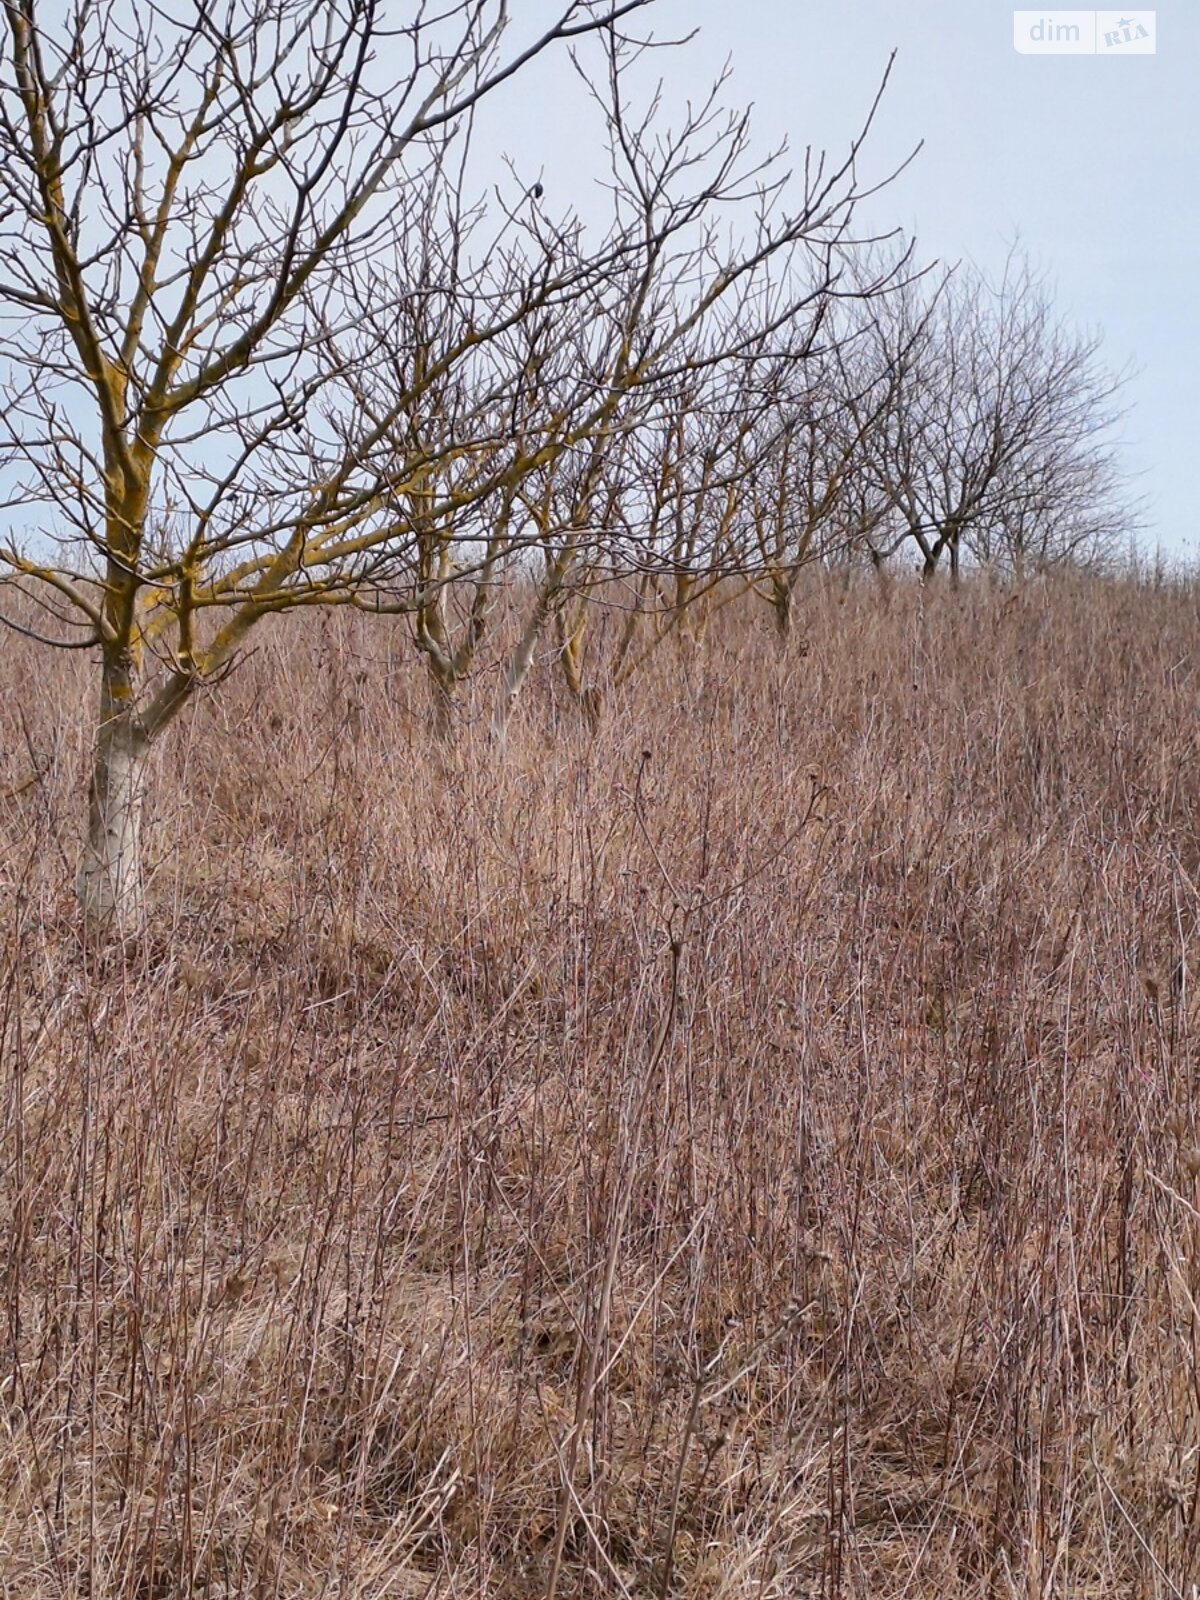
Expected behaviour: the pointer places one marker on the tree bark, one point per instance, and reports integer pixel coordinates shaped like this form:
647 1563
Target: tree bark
443 699
109 880
781 602
522 657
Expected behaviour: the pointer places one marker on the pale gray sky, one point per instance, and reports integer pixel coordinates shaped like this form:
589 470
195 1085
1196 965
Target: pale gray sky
1094 163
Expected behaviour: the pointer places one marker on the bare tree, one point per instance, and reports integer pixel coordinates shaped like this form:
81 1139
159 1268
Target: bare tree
813 496
998 418
1070 506
472 430
663 522
677 355
688 511
667 519
220 401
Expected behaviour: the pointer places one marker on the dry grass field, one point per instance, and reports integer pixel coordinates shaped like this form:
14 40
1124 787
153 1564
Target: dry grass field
752 1152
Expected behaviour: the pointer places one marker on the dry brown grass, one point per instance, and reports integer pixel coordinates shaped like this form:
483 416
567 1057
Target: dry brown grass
481 1154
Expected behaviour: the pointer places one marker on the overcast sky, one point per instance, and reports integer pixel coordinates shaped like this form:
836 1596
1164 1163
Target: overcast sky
1093 162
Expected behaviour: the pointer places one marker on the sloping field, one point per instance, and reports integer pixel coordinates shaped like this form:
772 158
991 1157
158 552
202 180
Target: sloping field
752 1152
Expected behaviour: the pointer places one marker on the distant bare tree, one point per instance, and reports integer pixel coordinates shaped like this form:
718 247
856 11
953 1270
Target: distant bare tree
670 520
813 495
996 434
683 355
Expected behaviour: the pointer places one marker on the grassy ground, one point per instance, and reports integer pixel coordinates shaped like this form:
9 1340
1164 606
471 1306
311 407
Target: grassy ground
752 1153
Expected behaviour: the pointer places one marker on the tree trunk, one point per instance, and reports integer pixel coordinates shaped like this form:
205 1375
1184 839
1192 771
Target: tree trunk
109 880
570 640
443 699
591 704
589 698
522 657
781 602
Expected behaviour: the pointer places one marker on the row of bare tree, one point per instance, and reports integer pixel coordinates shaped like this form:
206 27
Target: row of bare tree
267 343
